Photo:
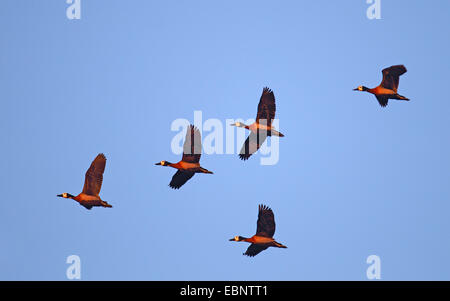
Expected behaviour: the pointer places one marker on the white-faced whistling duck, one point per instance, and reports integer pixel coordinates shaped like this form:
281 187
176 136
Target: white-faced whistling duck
262 127
388 87
190 162
265 228
89 197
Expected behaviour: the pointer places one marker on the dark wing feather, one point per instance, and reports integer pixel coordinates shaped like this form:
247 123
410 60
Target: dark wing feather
391 77
94 176
252 144
192 148
266 107
266 222
179 178
382 100
255 249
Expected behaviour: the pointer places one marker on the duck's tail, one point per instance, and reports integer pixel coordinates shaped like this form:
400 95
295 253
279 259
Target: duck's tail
278 245
204 170
276 133
401 97
105 204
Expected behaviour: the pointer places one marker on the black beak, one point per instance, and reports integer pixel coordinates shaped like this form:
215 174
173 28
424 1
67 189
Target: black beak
159 163
356 89
60 195
231 239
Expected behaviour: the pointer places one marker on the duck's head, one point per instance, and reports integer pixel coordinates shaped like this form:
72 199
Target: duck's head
163 163
238 124
361 88
237 238
65 195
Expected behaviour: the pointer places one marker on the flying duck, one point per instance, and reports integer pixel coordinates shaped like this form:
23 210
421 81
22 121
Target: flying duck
388 87
89 197
262 127
189 164
265 228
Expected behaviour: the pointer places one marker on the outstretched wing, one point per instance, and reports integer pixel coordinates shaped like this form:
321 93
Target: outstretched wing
94 176
383 101
192 148
266 107
255 249
179 178
252 144
266 222
391 77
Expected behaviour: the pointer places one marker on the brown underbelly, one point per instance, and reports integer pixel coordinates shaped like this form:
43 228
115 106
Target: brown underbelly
91 203
88 199
261 240
186 165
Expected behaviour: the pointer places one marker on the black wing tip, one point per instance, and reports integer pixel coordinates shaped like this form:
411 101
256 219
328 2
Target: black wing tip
174 187
401 66
401 69
263 207
101 155
249 255
244 157
193 128
267 90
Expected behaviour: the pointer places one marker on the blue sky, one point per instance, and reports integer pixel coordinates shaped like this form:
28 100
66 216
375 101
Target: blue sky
353 179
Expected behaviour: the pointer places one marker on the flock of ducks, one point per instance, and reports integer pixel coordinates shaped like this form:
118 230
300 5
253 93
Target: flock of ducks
259 130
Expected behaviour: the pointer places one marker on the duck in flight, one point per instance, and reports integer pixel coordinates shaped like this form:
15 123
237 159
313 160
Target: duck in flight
262 127
190 162
89 197
265 229
388 87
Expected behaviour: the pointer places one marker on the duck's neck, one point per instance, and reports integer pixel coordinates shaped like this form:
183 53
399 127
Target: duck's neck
372 91
174 165
242 125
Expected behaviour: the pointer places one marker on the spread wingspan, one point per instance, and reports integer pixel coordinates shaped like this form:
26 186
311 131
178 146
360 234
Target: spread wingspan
255 249
192 148
252 144
94 176
179 178
391 77
382 100
266 222
266 107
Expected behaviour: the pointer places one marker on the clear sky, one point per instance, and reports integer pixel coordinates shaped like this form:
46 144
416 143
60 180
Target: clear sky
353 179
